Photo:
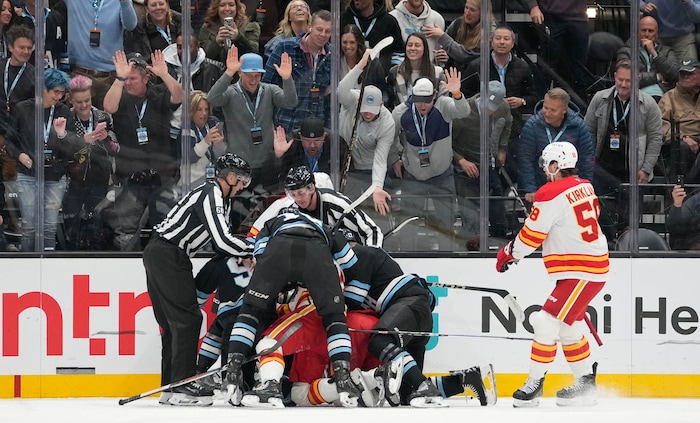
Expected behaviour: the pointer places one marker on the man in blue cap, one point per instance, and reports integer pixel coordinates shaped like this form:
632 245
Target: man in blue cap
248 107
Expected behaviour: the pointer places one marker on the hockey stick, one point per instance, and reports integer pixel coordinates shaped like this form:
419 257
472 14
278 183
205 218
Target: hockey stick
592 329
509 181
400 226
438 334
292 329
507 297
381 45
350 207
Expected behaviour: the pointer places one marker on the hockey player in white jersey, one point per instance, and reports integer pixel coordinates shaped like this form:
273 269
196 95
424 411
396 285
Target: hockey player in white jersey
564 221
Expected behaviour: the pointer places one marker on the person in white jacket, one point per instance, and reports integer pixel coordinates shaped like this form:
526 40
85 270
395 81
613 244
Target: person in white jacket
413 15
375 134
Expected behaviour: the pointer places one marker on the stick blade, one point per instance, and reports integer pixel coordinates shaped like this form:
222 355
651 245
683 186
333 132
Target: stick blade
514 307
381 45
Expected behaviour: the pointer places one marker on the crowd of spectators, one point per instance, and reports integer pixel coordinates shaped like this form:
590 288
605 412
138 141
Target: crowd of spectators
117 148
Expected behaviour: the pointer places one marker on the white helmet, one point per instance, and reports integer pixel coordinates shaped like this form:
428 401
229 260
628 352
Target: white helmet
562 152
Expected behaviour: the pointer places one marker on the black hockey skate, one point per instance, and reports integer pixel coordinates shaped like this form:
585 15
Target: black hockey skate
389 376
583 392
233 384
529 394
267 394
350 394
482 386
426 396
372 389
191 393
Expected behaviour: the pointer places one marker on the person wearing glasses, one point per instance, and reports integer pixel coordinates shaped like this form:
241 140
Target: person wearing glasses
147 164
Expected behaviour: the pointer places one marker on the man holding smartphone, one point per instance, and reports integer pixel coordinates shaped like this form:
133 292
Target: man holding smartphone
248 107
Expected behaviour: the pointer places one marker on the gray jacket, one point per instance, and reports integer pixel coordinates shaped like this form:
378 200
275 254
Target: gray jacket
648 127
239 120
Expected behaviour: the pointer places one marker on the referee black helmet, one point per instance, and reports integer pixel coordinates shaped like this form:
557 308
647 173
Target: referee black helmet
230 162
298 177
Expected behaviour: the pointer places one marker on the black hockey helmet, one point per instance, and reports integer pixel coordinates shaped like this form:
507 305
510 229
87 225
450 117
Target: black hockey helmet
230 162
298 177
350 236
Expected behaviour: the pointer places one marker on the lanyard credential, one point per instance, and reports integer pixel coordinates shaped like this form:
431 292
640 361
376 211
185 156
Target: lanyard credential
559 134
8 90
420 126
616 122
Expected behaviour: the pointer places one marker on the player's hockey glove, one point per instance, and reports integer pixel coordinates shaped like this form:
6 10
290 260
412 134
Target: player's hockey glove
350 394
504 258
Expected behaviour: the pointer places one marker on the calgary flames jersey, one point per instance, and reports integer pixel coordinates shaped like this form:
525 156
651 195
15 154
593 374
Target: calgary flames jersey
564 221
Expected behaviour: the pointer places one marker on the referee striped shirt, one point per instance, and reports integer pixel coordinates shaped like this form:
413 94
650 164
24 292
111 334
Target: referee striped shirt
202 216
330 206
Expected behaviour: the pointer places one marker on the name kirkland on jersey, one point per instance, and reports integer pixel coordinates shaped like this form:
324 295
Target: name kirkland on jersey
579 194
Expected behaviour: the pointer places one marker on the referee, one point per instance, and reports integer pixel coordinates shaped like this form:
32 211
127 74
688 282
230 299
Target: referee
198 218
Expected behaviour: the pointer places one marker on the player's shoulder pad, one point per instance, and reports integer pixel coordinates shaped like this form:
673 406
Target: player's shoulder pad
551 190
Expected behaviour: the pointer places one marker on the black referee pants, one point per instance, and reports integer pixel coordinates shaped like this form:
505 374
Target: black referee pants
172 291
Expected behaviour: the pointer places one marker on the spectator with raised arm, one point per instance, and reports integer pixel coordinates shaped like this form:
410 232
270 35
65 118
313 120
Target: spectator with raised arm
310 55
248 107
374 137
424 124
683 222
147 166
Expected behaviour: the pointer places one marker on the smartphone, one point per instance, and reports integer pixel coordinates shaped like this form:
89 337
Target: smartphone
220 127
228 21
680 180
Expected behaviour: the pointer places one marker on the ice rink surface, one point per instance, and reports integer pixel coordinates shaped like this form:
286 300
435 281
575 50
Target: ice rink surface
106 410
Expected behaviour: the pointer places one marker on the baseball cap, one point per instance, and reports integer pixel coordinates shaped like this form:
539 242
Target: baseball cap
371 100
312 127
689 65
423 91
137 59
496 94
252 63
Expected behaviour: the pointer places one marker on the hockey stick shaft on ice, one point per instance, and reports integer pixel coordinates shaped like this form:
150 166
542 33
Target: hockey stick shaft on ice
436 334
293 328
507 297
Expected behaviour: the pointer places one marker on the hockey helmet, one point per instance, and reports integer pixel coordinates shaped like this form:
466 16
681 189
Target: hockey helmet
298 177
230 162
562 152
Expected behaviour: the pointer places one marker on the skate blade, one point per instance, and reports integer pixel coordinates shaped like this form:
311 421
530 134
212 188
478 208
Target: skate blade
585 401
490 386
518 403
185 400
253 401
428 402
347 401
232 395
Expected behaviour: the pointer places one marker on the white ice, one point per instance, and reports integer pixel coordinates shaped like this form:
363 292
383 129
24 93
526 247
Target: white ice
106 410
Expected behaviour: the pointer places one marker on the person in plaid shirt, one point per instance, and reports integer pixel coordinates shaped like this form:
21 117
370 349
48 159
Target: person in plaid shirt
311 63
